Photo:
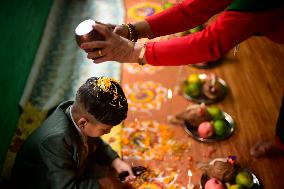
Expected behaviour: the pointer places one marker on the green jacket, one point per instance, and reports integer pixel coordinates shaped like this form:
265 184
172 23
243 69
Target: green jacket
52 156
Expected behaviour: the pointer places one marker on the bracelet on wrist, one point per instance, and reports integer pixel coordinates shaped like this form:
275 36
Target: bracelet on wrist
132 34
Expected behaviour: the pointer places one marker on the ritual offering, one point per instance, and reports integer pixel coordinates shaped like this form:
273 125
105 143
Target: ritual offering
225 173
84 32
205 124
207 88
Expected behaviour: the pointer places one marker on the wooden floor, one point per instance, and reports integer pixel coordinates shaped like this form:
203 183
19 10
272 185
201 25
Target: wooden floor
255 77
256 80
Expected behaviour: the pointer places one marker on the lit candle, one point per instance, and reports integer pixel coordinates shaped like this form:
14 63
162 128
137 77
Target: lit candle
170 96
189 185
136 120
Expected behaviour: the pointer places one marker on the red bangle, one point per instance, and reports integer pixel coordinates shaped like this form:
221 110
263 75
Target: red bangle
141 55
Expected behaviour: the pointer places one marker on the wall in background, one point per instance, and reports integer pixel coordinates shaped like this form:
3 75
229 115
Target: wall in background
22 24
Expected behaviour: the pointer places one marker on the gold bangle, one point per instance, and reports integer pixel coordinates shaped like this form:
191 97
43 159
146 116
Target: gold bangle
129 33
141 55
132 34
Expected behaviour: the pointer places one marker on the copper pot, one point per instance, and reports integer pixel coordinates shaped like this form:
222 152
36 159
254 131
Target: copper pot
84 32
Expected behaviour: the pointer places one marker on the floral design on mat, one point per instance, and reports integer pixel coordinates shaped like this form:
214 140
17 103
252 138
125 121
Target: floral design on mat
145 96
137 69
30 119
150 140
142 10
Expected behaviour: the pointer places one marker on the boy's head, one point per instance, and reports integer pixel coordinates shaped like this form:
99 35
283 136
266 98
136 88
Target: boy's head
100 104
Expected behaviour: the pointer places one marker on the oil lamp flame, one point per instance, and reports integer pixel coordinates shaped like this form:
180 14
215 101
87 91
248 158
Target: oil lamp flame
170 94
189 173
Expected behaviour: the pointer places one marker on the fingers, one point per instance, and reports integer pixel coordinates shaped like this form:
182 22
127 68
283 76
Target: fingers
111 26
131 175
101 23
93 45
130 178
101 59
95 54
104 30
115 47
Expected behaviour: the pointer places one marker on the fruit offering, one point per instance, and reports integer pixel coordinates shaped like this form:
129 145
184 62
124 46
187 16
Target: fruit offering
217 127
214 183
207 88
219 168
194 114
244 178
226 173
205 124
205 129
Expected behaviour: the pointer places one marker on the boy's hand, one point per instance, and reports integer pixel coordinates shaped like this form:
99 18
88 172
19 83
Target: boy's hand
120 166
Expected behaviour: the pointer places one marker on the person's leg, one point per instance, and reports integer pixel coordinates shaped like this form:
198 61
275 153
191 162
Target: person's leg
272 147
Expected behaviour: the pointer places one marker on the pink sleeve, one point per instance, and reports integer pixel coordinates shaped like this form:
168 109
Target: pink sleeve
185 15
229 29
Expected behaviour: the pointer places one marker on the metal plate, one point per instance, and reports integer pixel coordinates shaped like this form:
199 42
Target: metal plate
256 182
192 131
202 98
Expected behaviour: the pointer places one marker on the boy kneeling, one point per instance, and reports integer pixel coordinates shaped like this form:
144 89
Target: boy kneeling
67 151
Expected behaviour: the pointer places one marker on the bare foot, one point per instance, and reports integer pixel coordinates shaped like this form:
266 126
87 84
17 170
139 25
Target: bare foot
265 148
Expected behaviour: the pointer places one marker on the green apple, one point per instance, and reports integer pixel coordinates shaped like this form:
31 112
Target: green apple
220 127
215 112
193 78
193 89
244 178
237 186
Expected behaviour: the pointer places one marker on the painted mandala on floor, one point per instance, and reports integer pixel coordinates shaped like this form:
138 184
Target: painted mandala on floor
156 179
137 69
149 140
145 96
142 10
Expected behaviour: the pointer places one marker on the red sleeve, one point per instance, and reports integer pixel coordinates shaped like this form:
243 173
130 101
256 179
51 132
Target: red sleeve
229 29
185 15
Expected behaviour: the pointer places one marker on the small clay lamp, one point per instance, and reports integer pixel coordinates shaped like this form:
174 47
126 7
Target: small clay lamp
84 32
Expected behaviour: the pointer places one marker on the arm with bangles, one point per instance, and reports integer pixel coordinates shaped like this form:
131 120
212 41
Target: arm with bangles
207 45
183 16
